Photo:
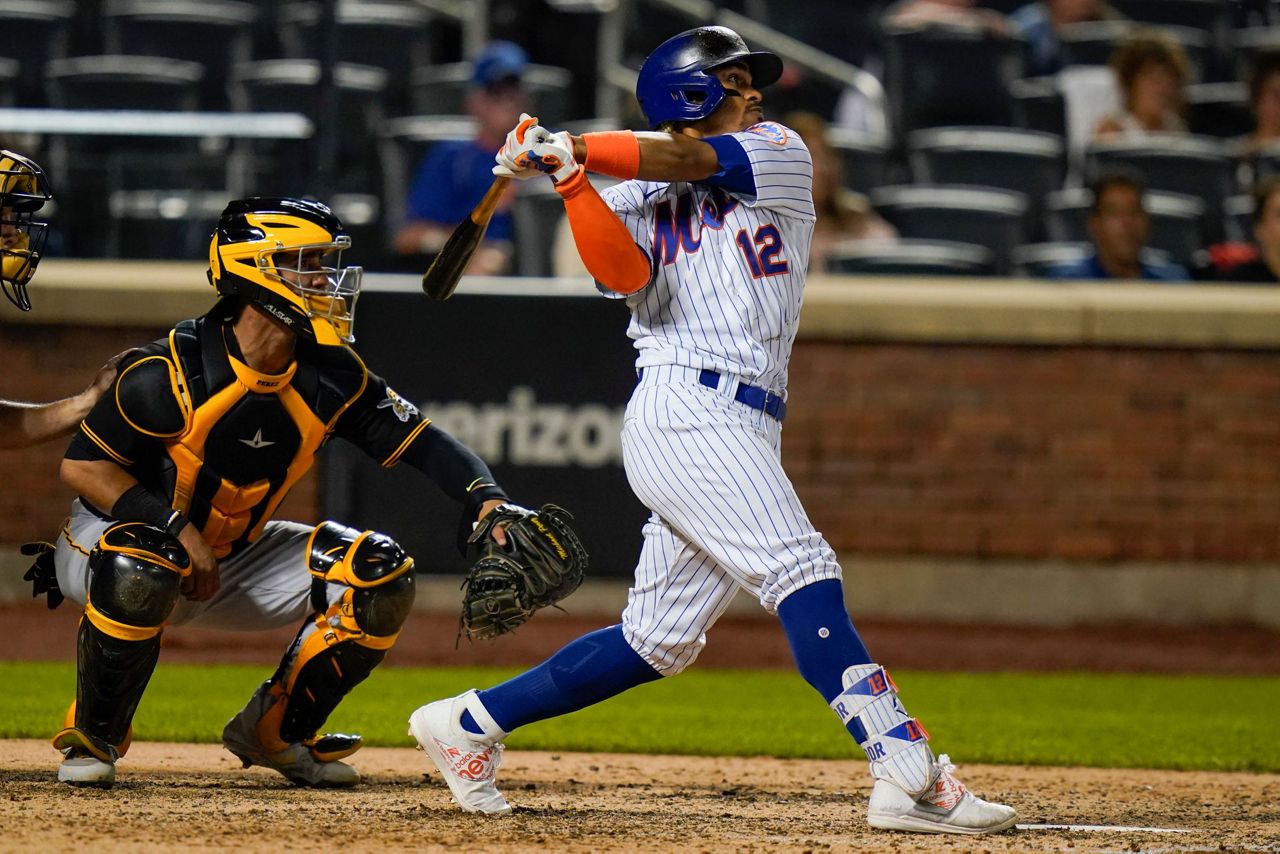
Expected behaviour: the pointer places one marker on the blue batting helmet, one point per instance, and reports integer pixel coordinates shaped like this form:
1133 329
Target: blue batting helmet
674 85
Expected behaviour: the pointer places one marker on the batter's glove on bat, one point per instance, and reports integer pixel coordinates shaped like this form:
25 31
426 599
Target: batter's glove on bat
43 577
522 137
553 156
542 563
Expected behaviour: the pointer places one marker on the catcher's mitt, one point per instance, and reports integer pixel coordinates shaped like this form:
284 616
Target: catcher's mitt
543 562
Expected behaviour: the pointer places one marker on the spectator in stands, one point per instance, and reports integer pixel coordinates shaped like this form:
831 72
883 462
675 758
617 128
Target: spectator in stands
1118 228
454 175
950 13
1264 102
1041 24
842 213
1265 269
1152 71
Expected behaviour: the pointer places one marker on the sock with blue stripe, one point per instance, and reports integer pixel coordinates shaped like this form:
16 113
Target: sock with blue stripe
823 639
592 668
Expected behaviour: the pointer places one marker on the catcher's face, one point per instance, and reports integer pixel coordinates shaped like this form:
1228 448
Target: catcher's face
327 290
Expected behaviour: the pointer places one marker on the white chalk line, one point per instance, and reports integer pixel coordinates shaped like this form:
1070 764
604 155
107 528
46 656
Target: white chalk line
1102 828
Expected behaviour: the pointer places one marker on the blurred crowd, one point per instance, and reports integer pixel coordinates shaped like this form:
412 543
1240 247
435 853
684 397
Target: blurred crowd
1130 139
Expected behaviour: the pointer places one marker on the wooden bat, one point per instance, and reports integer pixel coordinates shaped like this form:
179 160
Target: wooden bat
441 278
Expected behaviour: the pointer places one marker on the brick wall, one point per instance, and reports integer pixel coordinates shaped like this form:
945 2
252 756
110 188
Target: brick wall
1036 452
976 450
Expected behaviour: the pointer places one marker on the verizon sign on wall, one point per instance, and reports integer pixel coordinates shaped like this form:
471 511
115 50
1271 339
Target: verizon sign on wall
533 379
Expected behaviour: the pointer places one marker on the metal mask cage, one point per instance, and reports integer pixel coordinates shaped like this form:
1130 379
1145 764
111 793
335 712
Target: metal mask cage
22 239
328 291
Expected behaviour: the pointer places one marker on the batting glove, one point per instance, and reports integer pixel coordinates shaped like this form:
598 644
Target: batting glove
521 139
553 156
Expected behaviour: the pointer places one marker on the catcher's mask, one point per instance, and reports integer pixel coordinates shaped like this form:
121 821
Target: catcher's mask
24 188
285 255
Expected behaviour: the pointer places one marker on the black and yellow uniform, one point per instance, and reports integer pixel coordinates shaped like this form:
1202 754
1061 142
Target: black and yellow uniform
223 443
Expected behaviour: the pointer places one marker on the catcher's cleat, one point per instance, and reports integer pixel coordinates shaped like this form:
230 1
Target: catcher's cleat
945 807
468 765
82 768
87 761
300 762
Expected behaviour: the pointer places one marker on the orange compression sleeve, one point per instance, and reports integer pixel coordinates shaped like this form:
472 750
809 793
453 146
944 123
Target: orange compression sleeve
606 247
615 153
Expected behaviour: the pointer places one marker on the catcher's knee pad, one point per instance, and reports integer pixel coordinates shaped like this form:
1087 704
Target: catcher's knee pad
136 572
896 744
340 647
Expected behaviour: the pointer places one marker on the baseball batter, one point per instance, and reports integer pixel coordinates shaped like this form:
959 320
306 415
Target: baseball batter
708 241
180 470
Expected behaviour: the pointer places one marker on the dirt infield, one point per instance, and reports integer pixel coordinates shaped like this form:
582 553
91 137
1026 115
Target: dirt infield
179 797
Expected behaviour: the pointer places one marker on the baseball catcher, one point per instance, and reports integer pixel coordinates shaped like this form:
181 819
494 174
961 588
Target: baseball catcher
542 562
180 471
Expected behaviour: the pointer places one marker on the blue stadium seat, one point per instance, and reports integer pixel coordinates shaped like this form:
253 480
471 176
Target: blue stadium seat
441 90
35 32
1177 221
992 218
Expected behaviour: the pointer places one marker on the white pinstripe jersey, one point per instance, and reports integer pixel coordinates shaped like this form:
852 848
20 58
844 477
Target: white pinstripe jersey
729 257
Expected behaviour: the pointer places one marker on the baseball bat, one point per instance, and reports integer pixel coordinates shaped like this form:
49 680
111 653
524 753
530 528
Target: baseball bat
441 278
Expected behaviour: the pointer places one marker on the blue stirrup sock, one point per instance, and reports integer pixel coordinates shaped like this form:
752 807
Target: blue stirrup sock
592 668
823 639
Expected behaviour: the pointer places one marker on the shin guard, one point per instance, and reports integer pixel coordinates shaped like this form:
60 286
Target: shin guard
897 746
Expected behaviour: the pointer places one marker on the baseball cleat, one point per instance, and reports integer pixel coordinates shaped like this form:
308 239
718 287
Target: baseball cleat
469 766
298 761
945 807
82 768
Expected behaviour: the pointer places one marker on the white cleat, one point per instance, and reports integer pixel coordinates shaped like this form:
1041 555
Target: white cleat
945 807
468 765
82 768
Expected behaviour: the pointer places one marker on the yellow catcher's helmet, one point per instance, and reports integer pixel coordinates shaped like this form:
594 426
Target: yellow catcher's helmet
285 256
24 189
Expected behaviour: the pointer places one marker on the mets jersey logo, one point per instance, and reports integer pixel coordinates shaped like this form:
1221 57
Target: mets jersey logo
682 230
771 131
403 409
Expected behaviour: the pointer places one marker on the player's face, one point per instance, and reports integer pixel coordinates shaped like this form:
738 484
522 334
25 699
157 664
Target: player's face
1267 229
741 111
1267 106
1120 226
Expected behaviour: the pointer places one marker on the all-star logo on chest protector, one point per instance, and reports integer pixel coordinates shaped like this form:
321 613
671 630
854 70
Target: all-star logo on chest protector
257 440
403 409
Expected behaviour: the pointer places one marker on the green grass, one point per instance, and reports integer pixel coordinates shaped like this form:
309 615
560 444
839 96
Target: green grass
1181 722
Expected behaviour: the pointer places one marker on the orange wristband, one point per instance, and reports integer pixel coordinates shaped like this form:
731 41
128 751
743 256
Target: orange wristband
615 152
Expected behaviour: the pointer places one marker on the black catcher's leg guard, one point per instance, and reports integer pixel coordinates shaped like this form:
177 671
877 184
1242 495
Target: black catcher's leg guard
136 573
335 651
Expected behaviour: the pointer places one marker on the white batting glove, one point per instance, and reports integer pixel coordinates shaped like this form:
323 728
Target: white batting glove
552 156
521 139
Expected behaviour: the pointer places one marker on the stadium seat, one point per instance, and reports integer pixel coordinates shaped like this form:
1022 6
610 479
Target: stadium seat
402 143
992 218
1238 213
1219 110
1208 15
35 32
1177 221
1191 165
1024 161
1040 260
537 213
216 33
9 71
866 159
393 35
1038 105
441 90
123 83
910 258
287 85
1092 43
162 224
1248 42
925 84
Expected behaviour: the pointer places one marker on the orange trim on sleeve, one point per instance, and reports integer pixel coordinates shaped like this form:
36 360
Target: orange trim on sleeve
606 247
615 152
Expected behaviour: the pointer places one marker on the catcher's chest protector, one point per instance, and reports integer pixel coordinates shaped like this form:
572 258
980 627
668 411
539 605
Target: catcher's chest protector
250 436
